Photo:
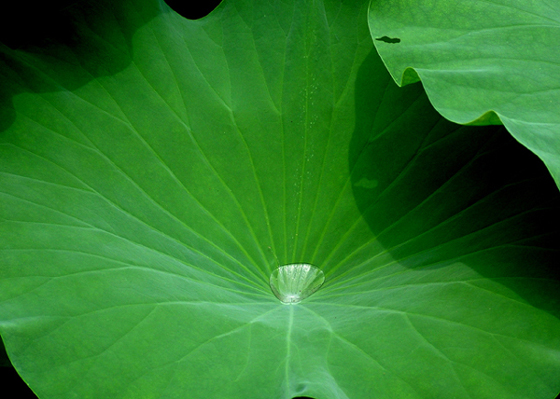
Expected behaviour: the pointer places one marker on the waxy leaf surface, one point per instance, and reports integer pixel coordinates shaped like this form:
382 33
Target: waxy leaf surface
154 171
480 62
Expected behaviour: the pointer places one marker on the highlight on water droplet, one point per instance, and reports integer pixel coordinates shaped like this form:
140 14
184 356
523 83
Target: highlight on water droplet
295 282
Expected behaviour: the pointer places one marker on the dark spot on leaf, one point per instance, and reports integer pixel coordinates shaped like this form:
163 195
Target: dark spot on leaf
388 39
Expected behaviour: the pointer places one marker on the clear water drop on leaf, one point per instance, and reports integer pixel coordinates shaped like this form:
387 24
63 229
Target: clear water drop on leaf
293 283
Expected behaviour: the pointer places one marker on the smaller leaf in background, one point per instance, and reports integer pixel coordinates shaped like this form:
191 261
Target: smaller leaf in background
480 63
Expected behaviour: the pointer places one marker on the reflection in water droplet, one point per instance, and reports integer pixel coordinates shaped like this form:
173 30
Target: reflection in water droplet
292 283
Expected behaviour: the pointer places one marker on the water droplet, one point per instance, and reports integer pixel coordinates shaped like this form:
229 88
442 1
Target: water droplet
293 283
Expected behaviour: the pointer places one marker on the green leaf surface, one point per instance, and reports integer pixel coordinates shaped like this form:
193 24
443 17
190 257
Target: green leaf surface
156 170
480 62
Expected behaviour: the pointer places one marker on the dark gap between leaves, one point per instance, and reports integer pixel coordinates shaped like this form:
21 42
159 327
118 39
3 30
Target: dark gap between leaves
193 10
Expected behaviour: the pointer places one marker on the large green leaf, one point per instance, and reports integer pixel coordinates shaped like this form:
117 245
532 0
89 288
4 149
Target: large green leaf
155 171
480 62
